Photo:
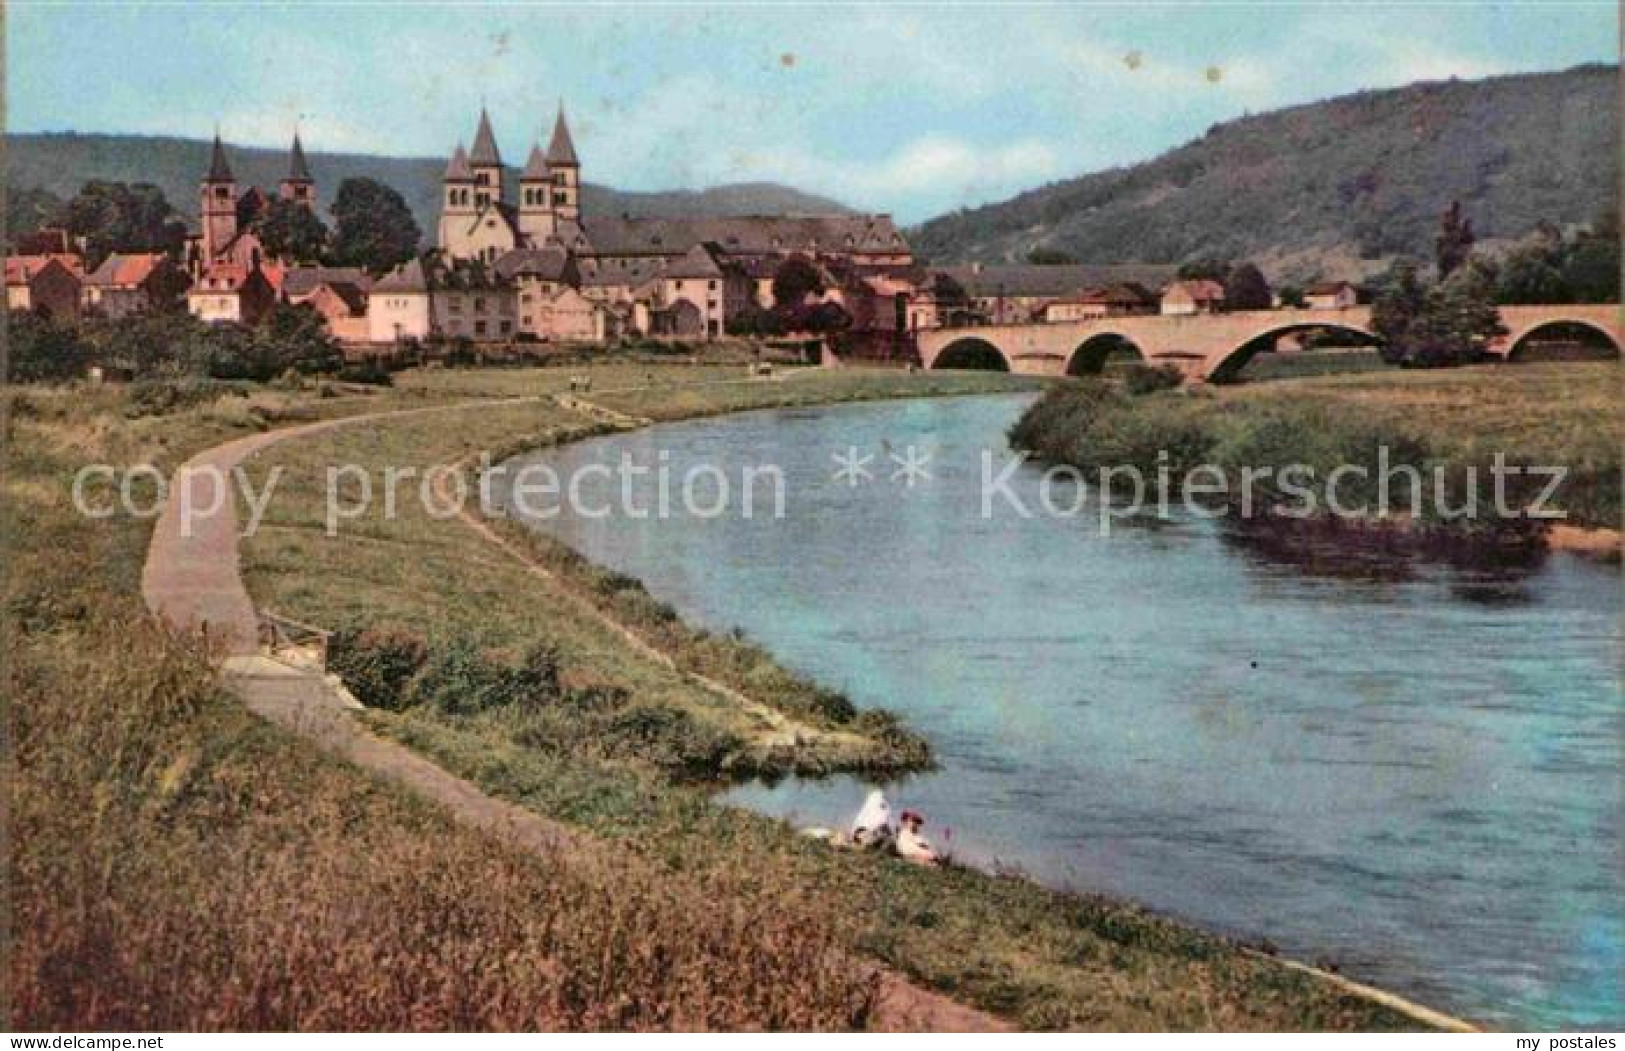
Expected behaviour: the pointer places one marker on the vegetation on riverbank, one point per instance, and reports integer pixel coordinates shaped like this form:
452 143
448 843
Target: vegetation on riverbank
1453 423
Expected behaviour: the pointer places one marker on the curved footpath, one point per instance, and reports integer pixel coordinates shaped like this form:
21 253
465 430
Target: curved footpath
192 580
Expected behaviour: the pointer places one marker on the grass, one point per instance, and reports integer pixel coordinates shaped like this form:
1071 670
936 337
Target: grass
1549 414
1006 944
176 864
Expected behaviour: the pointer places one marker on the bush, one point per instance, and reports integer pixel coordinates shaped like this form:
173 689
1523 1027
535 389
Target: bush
377 664
1141 379
370 371
162 397
460 679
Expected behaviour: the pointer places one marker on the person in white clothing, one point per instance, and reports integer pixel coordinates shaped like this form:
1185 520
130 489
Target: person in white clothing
872 826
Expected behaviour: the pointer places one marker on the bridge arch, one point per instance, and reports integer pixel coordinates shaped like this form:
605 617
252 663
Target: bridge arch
1520 344
1089 357
972 352
1227 366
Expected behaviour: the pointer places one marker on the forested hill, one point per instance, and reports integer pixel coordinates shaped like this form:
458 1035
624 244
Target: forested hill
1334 187
61 163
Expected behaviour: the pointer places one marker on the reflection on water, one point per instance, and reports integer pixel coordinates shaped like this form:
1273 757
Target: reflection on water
1408 767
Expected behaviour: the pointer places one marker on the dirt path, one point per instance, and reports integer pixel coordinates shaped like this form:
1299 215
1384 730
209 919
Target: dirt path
192 579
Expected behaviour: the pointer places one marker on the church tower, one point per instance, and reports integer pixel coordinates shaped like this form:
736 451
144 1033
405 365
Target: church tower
566 169
486 164
457 207
297 186
217 207
536 198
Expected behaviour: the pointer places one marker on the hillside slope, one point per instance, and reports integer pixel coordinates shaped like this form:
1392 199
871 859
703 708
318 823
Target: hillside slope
62 162
1334 186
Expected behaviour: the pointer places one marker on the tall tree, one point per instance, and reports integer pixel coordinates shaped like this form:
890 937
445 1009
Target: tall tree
1591 264
373 227
1450 323
1454 240
1205 268
122 217
1246 289
292 232
1050 257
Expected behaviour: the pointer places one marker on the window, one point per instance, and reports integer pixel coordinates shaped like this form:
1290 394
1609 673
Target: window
482 179
712 285
479 303
479 328
507 326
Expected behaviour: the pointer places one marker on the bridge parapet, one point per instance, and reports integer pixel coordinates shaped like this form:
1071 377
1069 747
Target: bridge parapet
1207 345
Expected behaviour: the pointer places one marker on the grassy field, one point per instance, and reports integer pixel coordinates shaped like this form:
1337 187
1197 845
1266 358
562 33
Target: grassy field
1453 420
612 766
174 863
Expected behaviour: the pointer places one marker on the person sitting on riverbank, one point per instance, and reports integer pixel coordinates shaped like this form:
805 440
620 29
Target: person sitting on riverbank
911 842
872 827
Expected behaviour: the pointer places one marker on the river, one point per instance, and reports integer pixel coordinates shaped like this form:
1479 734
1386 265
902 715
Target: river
1408 770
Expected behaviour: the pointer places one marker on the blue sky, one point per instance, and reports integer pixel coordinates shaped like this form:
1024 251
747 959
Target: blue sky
912 109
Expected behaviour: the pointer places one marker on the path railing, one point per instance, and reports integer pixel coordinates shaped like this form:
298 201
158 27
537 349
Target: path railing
293 642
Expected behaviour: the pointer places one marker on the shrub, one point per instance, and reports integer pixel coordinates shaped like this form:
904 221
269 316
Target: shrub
377 664
1141 379
460 679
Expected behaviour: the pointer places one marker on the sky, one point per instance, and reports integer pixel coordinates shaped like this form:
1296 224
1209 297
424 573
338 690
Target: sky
908 108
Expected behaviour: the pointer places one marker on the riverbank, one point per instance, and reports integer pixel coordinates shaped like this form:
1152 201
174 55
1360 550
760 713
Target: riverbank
1004 944
1408 451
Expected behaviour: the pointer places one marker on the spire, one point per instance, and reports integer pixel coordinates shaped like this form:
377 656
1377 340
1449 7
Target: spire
298 170
561 152
485 144
219 170
536 167
458 170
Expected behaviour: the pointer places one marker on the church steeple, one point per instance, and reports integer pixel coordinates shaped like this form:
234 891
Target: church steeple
217 203
536 197
486 162
219 169
297 185
566 169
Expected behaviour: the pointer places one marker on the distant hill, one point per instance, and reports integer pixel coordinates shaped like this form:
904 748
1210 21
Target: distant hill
61 162
1334 187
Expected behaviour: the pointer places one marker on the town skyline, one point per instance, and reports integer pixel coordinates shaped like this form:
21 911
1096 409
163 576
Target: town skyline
973 112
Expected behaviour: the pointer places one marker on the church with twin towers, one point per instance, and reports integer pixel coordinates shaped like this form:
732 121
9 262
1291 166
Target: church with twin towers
478 219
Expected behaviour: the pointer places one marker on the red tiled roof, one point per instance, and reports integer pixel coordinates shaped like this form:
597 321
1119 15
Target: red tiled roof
126 270
20 269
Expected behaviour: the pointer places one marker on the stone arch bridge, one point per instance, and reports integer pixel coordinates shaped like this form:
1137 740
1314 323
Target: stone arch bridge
1204 346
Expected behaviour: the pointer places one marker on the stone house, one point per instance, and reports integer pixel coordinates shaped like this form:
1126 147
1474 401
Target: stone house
48 285
1331 295
228 293
1019 293
399 306
134 283
1197 296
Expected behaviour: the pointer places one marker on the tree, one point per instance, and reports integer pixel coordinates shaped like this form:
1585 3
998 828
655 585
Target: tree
373 227
27 210
119 217
290 231
1292 296
1450 323
1591 264
1247 290
42 350
1454 241
1205 268
1532 274
1050 257
796 279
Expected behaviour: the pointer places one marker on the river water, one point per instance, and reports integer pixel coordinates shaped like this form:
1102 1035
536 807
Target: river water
1409 770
